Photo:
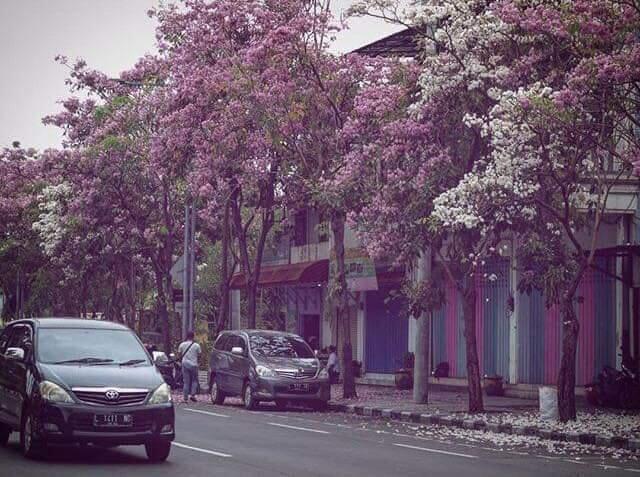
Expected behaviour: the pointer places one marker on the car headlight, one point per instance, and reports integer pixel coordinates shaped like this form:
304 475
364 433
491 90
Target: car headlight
161 395
265 372
53 393
323 374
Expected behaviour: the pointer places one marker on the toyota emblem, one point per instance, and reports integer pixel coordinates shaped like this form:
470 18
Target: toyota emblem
112 395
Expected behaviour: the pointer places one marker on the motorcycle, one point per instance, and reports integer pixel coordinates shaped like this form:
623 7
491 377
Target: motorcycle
177 372
616 388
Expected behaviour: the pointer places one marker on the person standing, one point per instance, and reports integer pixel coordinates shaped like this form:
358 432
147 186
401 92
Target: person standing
189 352
333 365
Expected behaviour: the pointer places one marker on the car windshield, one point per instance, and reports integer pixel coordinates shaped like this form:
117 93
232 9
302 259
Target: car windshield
280 346
89 346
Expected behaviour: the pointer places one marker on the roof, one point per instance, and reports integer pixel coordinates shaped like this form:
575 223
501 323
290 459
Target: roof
75 323
290 274
404 44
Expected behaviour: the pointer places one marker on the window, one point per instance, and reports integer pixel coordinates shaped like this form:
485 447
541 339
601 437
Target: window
300 228
91 346
220 342
236 341
21 337
4 339
280 346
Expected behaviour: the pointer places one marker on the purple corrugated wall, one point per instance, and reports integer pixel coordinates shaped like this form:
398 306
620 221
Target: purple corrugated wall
594 289
480 299
552 344
451 327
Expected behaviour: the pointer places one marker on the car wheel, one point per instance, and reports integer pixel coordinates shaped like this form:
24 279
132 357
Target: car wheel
320 406
5 432
158 451
250 402
217 396
281 404
31 446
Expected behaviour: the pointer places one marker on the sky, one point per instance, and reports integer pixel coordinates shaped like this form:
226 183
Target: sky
109 34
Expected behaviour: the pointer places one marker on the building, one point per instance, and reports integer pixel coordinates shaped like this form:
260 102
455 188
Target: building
518 337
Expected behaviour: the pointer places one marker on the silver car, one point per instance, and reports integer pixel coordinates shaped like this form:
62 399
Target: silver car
263 365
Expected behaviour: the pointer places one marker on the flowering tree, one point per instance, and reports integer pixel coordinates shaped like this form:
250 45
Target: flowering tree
267 103
467 62
231 63
557 147
127 183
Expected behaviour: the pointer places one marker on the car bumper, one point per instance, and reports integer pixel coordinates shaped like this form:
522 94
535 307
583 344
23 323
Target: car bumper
270 389
73 423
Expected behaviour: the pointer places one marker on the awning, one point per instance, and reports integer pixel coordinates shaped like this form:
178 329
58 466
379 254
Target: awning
289 274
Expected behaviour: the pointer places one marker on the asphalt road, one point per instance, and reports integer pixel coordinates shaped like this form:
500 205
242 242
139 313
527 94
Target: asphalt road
229 441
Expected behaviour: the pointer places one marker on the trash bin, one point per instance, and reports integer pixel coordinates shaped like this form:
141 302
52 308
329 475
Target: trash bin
548 403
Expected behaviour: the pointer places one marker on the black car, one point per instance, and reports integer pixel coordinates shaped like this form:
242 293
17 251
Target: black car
68 381
267 366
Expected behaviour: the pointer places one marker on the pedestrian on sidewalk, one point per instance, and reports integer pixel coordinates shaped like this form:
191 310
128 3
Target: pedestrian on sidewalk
333 365
189 351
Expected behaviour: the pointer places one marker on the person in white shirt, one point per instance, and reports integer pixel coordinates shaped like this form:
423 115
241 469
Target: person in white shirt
333 365
189 352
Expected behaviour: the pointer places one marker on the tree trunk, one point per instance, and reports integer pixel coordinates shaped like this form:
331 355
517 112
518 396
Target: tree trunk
342 305
567 374
473 365
422 363
422 355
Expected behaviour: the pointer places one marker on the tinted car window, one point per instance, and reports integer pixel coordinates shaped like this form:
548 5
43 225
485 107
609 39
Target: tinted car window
4 339
280 346
235 341
58 345
220 342
20 338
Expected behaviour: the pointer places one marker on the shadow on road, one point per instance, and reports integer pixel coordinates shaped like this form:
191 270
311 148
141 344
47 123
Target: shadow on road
80 455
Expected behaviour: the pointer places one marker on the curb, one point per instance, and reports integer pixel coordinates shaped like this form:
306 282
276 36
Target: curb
449 420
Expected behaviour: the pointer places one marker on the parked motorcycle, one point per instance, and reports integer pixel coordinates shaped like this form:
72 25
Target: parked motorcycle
177 372
616 388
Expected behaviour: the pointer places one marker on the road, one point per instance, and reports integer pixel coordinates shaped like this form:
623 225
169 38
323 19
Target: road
230 441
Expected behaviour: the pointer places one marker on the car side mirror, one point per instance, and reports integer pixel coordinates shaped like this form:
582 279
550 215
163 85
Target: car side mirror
15 353
237 350
172 356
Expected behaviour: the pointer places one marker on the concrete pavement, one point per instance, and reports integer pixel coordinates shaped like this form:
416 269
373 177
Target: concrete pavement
229 441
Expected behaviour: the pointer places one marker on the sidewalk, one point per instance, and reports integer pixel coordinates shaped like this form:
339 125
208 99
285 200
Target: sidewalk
607 428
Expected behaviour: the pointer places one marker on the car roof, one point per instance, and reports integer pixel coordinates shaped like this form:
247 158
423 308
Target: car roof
253 332
55 322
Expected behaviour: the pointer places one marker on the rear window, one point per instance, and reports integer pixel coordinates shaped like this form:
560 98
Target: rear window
280 346
89 346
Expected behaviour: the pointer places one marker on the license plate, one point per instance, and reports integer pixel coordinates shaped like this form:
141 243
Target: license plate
113 420
299 387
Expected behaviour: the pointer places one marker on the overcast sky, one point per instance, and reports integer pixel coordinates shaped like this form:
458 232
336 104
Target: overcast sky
109 34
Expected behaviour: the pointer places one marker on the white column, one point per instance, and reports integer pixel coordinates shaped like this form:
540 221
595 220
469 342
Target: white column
515 316
235 309
360 318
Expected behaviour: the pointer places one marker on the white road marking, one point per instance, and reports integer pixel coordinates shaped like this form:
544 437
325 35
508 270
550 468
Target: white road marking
298 428
208 413
632 470
575 461
198 449
437 451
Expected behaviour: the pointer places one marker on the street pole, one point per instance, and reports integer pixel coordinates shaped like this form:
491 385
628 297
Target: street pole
189 270
192 264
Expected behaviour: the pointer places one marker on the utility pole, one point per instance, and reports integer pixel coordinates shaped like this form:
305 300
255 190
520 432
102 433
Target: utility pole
189 269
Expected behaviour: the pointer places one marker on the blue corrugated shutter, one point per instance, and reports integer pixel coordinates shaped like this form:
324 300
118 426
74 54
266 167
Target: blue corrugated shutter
386 335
